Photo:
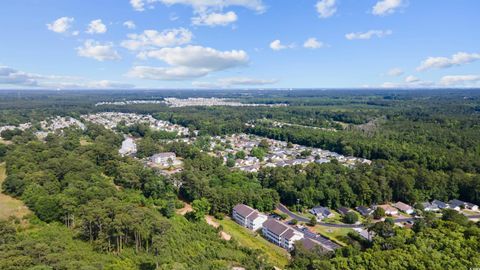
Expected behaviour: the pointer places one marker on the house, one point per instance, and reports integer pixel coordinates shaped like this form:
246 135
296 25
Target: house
389 210
471 206
128 147
165 159
429 207
456 204
321 212
439 204
364 211
343 210
404 207
280 234
364 233
248 217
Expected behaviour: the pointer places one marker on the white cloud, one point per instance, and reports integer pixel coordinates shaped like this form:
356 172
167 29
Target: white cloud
411 79
61 25
14 77
98 51
234 81
326 8
457 59
395 72
313 43
188 62
385 7
96 27
368 35
166 73
452 80
203 5
129 24
277 45
138 5
151 39
214 19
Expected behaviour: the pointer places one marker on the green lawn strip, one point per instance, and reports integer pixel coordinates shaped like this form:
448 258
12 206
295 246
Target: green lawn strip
277 255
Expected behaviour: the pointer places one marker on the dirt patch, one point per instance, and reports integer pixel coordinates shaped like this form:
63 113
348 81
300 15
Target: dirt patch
10 206
213 223
185 209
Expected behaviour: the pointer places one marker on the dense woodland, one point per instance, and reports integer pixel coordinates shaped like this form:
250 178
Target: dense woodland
103 211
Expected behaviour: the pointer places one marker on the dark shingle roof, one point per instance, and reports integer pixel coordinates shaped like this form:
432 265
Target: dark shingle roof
243 210
275 226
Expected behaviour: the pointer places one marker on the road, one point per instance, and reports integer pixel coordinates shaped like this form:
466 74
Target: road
285 210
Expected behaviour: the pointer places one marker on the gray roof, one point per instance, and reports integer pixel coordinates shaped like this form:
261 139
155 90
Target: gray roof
364 210
243 210
343 210
164 155
289 234
439 204
275 226
321 210
454 203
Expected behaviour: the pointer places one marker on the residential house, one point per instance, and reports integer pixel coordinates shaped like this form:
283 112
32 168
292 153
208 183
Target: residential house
128 147
321 212
456 204
343 210
404 207
248 217
364 233
280 234
439 204
389 210
364 211
165 159
428 207
471 206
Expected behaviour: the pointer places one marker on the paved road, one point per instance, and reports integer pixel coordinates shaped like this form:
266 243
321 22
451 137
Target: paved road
285 210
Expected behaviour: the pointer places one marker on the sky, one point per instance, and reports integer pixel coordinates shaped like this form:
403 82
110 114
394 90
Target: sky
180 44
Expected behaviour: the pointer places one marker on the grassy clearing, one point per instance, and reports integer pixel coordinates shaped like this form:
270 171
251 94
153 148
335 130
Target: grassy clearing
336 234
84 142
8 205
2 141
277 256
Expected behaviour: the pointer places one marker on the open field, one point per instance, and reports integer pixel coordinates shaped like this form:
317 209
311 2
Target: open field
8 205
276 255
336 234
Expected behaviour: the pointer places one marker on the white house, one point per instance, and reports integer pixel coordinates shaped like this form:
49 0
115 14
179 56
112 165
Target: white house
280 234
165 159
389 210
404 207
248 217
128 147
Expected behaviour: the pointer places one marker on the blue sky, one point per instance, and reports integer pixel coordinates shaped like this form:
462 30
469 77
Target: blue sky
239 44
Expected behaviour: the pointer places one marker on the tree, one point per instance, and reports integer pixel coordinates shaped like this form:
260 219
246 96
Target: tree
378 213
350 218
201 208
313 221
264 144
240 155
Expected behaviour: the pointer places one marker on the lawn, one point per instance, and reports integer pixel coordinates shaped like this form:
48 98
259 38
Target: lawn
337 234
8 205
277 255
